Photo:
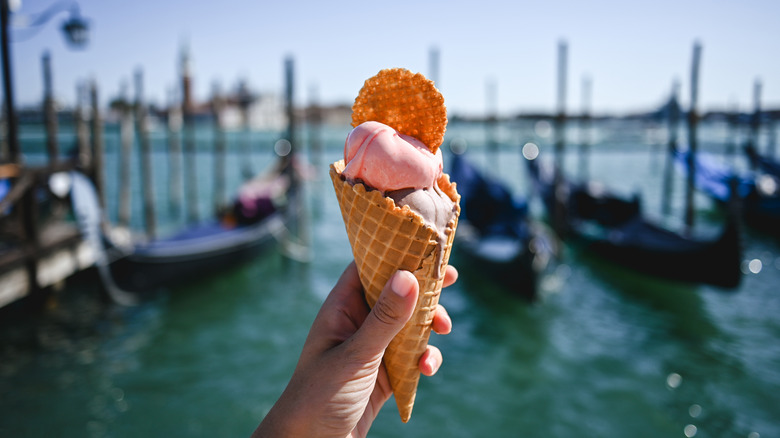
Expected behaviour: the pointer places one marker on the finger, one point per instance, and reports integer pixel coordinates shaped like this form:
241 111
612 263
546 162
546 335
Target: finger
450 275
430 361
442 323
388 316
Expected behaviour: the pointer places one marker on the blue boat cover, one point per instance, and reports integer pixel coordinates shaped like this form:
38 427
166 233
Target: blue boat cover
487 204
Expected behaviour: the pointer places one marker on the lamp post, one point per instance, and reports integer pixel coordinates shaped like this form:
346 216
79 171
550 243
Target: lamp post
76 31
11 135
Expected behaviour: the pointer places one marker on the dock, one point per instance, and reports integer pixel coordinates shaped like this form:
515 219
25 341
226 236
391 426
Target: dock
41 243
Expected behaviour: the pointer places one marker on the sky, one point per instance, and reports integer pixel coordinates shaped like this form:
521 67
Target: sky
632 51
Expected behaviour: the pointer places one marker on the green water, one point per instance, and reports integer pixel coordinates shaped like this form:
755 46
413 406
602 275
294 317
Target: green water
604 353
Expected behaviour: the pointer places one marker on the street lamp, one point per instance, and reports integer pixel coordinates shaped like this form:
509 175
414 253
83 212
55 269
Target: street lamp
76 31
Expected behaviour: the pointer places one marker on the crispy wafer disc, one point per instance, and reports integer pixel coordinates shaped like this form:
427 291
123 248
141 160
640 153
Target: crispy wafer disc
407 102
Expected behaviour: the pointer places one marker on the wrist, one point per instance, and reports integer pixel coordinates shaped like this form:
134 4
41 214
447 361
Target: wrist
285 419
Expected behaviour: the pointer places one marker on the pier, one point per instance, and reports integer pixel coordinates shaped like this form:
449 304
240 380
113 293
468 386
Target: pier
39 247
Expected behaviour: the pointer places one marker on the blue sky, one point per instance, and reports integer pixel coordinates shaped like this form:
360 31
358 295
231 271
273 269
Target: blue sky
631 50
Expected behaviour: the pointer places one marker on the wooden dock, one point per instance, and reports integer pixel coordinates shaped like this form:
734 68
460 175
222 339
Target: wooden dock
61 252
41 244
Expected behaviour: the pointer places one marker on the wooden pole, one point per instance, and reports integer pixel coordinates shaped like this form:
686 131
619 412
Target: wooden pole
755 120
174 156
289 75
560 126
560 119
693 120
147 173
732 120
315 127
49 112
220 177
585 127
673 120
245 100
190 161
126 138
433 59
98 147
82 133
492 119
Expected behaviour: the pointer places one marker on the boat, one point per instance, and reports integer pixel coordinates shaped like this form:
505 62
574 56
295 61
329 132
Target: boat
612 227
495 235
762 162
256 221
758 191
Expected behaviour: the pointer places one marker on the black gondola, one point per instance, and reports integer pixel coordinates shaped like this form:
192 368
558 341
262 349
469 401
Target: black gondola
762 162
614 229
495 234
256 221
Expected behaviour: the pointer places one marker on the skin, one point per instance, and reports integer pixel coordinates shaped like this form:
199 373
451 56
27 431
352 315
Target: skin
340 384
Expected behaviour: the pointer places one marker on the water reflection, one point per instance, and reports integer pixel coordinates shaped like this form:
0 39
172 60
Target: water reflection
678 300
75 351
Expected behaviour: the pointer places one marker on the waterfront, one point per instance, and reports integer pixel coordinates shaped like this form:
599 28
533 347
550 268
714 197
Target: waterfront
604 353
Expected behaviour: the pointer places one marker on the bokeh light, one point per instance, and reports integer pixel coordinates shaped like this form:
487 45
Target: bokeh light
530 151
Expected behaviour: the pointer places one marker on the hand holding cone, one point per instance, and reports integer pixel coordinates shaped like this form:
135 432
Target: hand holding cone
386 238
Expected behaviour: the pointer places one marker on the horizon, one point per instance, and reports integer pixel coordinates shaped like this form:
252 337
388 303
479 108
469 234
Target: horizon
494 55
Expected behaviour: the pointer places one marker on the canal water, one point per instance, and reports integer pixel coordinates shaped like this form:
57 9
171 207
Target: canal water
603 353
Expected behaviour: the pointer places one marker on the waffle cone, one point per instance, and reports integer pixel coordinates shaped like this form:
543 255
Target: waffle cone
386 238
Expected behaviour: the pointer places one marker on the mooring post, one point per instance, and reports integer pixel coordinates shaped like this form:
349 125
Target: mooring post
433 61
491 121
126 140
82 133
98 146
673 122
315 127
560 138
220 177
175 181
693 120
289 80
245 100
147 173
190 161
755 122
732 122
585 129
49 112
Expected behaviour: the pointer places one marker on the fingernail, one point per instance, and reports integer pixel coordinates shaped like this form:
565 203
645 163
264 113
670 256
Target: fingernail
401 283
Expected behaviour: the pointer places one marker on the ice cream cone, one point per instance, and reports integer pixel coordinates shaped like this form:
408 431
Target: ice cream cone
384 239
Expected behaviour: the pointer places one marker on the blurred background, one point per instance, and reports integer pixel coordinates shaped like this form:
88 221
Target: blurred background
168 229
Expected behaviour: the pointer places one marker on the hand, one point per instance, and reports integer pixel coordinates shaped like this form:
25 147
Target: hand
340 383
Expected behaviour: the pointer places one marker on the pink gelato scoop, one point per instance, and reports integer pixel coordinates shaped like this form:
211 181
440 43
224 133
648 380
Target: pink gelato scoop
387 160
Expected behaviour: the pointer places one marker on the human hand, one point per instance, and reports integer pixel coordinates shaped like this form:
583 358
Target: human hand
340 383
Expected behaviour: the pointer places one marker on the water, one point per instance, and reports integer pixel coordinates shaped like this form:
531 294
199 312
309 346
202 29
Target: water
604 353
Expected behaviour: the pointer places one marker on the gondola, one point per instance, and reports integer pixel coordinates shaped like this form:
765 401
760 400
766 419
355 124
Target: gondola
762 162
256 221
495 236
604 224
759 191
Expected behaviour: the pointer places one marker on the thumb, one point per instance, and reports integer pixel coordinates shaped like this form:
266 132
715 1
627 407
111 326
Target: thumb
392 310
